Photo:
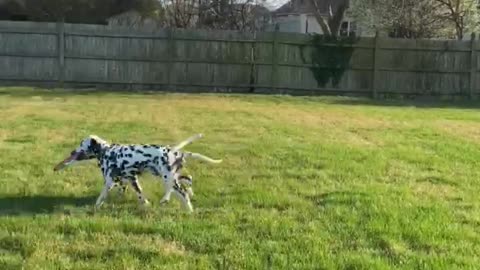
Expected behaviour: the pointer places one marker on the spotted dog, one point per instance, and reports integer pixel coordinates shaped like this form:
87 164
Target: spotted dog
121 164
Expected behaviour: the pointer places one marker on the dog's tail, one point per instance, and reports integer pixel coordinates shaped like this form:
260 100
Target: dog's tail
202 157
186 142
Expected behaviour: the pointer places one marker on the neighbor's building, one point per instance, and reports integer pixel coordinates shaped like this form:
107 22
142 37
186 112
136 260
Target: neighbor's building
298 16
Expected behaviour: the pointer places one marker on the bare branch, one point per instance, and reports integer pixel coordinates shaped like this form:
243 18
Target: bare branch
320 19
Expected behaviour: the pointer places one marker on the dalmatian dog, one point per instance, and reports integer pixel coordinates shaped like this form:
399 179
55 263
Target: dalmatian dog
121 164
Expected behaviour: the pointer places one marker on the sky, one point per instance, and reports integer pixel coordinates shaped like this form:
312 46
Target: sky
274 4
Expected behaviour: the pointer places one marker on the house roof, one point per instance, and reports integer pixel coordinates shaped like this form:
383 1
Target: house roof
255 9
128 13
306 6
259 10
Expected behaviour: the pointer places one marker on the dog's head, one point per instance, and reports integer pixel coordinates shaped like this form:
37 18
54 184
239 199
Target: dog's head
89 148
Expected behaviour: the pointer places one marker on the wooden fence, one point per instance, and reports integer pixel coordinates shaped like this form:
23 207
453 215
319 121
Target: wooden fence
192 60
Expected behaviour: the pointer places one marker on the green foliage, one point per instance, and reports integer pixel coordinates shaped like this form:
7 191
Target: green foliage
330 57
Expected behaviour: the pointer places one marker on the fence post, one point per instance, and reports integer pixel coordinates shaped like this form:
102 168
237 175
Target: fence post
473 66
376 56
273 81
253 67
170 58
61 52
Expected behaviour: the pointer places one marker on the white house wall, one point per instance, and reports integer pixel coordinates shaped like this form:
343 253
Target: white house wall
307 23
286 24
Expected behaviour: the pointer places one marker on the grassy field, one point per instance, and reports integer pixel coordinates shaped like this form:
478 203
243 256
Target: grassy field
306 183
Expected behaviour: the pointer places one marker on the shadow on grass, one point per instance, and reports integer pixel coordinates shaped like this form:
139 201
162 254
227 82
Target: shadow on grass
46 92
418 102
431 102
56 92
337 198
39 204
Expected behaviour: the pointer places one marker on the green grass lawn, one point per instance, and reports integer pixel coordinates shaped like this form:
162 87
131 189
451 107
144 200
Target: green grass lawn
306 183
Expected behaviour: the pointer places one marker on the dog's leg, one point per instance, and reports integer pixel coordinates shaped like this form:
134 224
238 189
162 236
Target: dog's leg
123 186
168 180
138 189
166 198
183 195
187 180
109 184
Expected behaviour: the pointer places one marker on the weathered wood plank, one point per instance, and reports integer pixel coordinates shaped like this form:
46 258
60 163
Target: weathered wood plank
190 58
28 44
425 45
29 68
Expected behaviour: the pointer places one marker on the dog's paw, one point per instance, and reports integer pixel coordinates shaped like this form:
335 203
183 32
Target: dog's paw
190 191
164 201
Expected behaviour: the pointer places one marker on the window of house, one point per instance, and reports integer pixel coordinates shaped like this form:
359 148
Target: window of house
344 29
348 29
353 29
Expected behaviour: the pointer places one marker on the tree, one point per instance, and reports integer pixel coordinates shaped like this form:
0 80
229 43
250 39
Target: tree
180 13
462 13
402 18
330 25
216 14
233 15
83 11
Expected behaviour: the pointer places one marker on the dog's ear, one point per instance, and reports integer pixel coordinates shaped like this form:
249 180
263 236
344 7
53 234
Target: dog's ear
94 145
93 142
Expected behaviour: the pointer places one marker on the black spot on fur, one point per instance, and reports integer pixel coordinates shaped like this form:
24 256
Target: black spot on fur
154 170
124 163
139 151
147 155
179 189
164 161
